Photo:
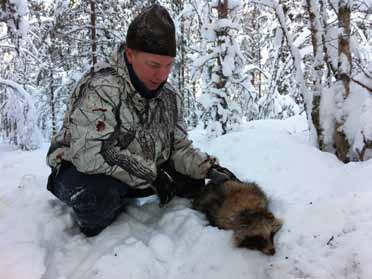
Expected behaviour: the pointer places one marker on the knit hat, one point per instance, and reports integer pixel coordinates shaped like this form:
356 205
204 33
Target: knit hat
153 31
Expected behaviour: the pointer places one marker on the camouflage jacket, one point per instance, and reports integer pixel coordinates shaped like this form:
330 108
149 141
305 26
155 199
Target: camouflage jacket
109 128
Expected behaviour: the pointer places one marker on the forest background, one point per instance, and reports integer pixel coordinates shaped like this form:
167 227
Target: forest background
237 61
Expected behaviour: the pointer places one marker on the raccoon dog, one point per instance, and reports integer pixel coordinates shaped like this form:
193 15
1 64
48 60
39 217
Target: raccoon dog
243 208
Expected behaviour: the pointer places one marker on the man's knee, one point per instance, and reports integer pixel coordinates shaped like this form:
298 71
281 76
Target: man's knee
95 199
96 208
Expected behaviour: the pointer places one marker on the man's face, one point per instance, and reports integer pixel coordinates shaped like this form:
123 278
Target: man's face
151 69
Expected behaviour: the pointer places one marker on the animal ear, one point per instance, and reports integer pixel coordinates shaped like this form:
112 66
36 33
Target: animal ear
277 224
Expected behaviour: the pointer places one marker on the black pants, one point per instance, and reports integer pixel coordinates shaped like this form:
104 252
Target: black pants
98 199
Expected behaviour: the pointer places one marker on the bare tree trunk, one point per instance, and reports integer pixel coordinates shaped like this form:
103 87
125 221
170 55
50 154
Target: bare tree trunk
52 104
256 75
259 72
182 58
7 127
343 75
318 65
93 31
52 97
182 69
327 59
222 13
3 125
13 133
344 53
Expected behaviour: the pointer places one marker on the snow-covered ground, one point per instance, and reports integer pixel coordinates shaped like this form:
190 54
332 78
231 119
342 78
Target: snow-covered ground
326 207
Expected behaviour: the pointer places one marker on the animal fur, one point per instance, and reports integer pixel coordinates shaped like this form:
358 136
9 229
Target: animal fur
243 208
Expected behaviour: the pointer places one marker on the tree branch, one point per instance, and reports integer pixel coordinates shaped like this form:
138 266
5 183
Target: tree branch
367 145
362 85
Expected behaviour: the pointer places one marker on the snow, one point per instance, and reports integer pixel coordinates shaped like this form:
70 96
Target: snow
327 115
222 53
215 3
355 112
226 23
234 4
21 10
324 203
358 124
208 32
296 55
21 6
20 108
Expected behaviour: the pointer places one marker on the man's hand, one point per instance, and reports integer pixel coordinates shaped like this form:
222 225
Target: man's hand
219 174
165 187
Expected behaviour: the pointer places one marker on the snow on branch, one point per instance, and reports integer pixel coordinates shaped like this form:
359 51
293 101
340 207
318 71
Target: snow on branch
14 13
366 147
18 89
20 109
296 57
297 64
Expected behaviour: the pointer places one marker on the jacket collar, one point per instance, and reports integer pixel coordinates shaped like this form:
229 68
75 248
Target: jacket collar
121 64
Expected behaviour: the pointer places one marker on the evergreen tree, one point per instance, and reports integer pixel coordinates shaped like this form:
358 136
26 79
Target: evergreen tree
222 66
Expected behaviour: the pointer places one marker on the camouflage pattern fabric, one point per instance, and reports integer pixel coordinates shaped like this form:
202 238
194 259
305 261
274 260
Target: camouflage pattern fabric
109 128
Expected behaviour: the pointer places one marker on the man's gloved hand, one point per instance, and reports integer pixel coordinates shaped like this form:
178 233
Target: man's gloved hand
219 174
165 187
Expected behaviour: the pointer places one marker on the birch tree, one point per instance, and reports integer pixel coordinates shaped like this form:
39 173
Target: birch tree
343 78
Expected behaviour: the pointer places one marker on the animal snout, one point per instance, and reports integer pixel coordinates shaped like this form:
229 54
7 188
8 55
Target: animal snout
270 251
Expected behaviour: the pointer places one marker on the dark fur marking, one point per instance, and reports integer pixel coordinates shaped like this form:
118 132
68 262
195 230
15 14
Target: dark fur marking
243 208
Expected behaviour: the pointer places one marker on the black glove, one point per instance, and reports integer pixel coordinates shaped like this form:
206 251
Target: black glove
165 187
219 174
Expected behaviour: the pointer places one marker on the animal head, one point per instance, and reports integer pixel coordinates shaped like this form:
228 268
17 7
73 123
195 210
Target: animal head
256 231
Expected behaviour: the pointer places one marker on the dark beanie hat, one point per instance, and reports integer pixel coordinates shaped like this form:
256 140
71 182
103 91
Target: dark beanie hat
153 31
